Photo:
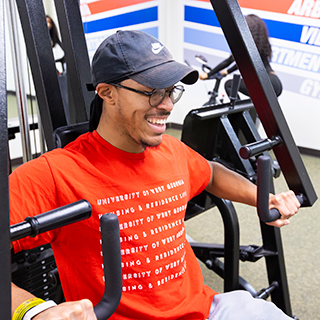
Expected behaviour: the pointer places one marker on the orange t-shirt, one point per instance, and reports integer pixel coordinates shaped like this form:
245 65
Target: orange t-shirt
149 193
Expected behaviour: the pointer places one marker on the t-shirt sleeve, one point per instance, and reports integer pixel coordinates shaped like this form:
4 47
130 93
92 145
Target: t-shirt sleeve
31 192
199 171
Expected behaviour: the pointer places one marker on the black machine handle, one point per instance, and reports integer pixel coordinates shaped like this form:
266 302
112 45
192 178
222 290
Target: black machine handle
110 236
234 89
258 147
263 186
53 219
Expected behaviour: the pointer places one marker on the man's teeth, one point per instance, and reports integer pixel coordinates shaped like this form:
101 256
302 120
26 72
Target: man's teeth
157 121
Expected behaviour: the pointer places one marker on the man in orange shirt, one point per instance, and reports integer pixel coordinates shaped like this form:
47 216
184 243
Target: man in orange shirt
126 165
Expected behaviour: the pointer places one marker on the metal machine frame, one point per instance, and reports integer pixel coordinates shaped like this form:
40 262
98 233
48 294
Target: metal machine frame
53 115
218 133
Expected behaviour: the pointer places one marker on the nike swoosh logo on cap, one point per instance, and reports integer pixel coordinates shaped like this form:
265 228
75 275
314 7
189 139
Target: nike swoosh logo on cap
156 48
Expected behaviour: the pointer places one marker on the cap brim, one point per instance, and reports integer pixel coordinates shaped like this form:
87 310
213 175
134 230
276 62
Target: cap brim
166 75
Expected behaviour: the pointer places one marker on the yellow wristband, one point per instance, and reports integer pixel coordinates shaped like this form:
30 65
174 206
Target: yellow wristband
25 306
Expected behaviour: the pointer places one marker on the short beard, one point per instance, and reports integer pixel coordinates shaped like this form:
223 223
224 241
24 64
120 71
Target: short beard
146 145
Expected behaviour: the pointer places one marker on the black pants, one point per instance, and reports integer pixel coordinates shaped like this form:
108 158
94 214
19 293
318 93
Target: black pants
276 83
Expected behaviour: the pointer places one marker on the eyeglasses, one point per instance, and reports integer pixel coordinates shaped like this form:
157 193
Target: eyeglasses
156 96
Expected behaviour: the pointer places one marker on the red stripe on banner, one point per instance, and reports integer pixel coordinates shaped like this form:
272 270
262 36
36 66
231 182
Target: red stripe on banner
301 8
103 5
280 6
272 5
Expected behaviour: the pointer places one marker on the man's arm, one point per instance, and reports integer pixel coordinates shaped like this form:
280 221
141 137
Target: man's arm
227 184
77 310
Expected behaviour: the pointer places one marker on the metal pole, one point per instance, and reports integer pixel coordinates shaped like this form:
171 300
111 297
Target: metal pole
77 58
43 148
19 80
44 72
5 263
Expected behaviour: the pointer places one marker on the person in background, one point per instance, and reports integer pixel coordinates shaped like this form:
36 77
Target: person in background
259 33
57 46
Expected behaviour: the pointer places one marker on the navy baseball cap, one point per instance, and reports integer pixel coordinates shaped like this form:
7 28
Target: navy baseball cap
140 57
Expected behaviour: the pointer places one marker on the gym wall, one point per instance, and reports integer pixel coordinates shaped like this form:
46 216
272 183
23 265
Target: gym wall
190 27
295 38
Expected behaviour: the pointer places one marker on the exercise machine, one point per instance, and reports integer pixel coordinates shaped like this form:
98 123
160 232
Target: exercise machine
53 116
229 136
237 129
214 94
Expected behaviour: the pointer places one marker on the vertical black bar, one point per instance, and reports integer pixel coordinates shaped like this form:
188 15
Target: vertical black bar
263 96
231 243
251 130
5 263
276 268
38 43
232 140
77 58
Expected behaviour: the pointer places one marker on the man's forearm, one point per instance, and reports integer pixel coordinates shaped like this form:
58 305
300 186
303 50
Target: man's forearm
18 296
230 185
77 310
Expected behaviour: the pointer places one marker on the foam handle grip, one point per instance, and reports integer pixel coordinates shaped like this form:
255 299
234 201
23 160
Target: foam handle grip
235 86
255 148
110 236
263 186
274 213
50 220
263 190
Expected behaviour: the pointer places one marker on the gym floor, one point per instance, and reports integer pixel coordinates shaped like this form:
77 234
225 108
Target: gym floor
300 242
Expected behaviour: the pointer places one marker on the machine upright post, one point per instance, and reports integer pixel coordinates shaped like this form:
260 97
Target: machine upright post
43 68
19 81
77 59
5 263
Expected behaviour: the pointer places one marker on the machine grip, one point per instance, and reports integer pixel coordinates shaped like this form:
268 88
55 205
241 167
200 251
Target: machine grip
263 186
110 236
234 90
53 219
263 190
258 147
235 86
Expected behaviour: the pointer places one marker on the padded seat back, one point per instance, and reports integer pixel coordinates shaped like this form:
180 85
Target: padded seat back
66 134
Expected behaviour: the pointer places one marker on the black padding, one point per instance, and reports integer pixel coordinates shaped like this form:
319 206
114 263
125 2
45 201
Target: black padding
66 134
110 236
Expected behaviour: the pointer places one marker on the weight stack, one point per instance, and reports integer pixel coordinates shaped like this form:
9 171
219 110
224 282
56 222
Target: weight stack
35 271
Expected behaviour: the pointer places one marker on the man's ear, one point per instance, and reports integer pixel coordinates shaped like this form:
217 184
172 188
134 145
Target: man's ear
106 92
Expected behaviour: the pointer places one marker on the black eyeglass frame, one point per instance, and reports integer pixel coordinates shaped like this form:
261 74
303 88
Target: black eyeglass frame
149 94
